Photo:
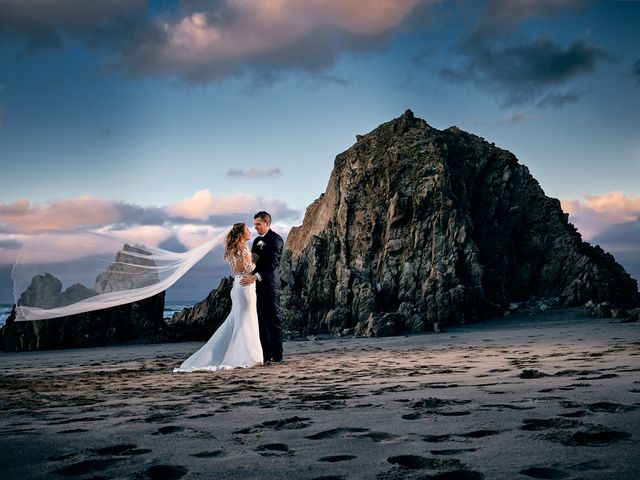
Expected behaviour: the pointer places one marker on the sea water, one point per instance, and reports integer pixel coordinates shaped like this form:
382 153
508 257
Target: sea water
5 310
174 306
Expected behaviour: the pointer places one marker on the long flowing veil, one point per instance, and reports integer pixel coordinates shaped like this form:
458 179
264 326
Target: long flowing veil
63 273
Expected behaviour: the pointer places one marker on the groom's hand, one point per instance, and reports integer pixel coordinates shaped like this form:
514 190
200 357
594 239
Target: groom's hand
244 281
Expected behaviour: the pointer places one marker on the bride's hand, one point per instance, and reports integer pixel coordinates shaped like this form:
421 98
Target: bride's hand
247 280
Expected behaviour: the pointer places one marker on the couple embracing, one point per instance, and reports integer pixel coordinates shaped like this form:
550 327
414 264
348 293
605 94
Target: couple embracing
251 334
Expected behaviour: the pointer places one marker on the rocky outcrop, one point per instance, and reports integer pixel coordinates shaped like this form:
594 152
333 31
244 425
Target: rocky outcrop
435 227
123 274
200 321
45 291
135 322
138 321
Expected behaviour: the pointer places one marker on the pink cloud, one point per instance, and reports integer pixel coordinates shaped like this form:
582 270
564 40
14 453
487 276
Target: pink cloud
151 235
192 236
203 204
596 213
217 39
269 25
150 226
23 216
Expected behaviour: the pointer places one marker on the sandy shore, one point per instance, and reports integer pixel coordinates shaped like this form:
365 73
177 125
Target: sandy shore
551 396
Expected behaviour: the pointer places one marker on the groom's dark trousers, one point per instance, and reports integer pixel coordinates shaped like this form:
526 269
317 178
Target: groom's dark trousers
269 248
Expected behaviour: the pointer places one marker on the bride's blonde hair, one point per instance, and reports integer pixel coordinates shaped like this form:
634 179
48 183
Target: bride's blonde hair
234 239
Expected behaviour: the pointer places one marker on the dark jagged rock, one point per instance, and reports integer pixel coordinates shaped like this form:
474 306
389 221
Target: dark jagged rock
200 321
436 227
45 291
138 322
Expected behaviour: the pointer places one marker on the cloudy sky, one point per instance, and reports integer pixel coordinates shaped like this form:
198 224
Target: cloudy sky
162 121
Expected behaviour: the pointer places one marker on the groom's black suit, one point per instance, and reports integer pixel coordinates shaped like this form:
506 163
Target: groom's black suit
269 248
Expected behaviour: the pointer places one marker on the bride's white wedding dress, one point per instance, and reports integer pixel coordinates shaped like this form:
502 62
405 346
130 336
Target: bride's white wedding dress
237 342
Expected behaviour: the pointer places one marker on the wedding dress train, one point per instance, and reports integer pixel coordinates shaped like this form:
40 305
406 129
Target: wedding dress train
237 342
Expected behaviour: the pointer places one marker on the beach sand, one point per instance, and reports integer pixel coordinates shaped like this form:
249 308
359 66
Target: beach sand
556 395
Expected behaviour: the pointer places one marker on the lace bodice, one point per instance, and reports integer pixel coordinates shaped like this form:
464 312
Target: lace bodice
241 261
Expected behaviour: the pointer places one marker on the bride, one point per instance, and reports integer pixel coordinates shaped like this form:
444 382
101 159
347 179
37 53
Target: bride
237 342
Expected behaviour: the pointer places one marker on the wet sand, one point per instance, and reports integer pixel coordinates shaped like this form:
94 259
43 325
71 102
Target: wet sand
551 396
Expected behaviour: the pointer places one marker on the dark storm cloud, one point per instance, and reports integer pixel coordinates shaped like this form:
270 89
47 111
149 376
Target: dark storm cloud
254 173
205 40
635 72
623 241
557 100
514 11
627 233
132 214
525 71
41 25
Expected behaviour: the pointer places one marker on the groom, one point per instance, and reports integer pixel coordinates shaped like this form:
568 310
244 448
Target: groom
268 246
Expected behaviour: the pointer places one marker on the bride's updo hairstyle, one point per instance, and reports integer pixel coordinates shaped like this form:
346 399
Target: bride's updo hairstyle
234 239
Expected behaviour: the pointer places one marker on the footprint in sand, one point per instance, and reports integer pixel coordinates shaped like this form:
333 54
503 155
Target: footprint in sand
380 436
169 429
416 462
293 423
330 477
439 385
413 462
508 406
165 472
600 377
597 438
456 475
335 433
589 465
86 466
478 433
411 416
436 438
452 451
274 449
544 472
337 458
576 414
121 450
209 454
610 407
537 424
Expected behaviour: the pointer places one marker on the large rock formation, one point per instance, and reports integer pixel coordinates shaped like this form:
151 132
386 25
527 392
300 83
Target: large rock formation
139 321
200 321
420 226
123 274
46 292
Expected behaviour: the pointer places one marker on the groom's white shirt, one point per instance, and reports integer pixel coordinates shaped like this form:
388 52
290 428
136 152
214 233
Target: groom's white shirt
260 237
